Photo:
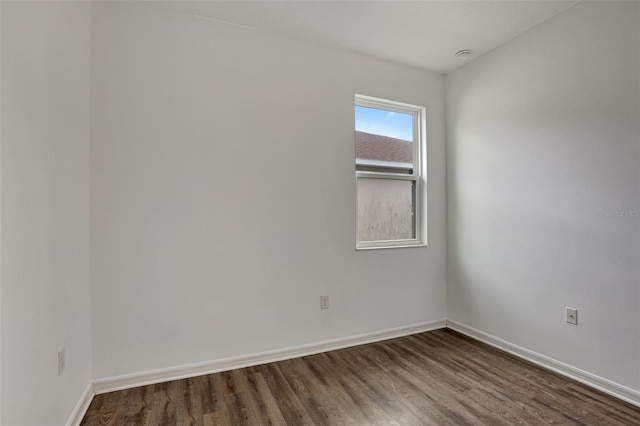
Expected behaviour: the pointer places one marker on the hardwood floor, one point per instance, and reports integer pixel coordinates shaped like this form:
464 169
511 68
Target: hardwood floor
435 378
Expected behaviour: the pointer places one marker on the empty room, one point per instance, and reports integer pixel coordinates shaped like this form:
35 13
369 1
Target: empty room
319 212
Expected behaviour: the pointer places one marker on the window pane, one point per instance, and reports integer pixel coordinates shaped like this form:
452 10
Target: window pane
385 209
383 138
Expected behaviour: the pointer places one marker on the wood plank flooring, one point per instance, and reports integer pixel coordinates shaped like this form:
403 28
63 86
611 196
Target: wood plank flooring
435 378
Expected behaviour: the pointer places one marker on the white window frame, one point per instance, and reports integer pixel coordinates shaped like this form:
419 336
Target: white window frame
418 176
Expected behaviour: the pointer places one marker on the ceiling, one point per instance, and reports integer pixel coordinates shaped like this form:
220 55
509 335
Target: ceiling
424 34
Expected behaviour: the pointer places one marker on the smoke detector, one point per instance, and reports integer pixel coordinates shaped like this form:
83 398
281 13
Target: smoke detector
463 55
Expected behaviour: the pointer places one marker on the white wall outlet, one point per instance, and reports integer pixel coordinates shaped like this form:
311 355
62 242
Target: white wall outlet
571 316
324 302
61 361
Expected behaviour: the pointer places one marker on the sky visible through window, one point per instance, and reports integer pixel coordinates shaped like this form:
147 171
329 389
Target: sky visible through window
386 123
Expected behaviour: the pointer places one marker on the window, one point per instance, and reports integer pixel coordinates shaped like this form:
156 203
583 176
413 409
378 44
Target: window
389 143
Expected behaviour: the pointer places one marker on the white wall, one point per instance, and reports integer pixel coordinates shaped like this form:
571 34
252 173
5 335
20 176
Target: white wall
543 141
45 210
223 193
0 212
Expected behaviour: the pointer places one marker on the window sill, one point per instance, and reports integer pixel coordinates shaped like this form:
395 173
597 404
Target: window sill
391 247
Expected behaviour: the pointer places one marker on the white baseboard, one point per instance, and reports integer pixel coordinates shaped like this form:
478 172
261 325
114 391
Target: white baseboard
81 408
624 393
191 370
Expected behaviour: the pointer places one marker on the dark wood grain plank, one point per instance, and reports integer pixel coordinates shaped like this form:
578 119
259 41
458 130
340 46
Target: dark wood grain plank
435 378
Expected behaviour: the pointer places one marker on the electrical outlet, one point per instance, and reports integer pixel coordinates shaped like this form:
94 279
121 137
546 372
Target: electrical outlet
324 302
61 361
571 316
